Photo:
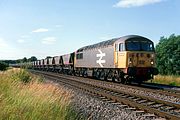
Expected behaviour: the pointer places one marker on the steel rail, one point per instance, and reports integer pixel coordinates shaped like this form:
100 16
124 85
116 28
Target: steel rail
122 97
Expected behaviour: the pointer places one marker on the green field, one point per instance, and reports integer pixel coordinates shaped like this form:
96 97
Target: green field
24 96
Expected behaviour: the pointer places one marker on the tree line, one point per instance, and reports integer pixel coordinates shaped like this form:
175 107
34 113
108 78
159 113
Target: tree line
168 55
5 63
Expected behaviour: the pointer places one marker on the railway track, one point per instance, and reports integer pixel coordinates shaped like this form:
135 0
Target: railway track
161 108
150 89
165 88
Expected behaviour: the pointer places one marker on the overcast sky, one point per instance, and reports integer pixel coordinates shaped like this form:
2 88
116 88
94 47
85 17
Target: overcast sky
54 27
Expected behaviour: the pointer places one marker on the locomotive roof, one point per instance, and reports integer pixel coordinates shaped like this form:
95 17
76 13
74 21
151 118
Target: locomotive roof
108 42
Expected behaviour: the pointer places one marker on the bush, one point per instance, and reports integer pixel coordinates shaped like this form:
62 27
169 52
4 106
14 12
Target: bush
3 66
173 84
22 75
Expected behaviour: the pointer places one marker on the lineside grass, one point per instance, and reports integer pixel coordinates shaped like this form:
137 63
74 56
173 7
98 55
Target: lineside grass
25 97
167 80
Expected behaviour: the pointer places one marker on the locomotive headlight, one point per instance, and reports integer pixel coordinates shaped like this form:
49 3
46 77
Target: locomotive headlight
152 62
130 61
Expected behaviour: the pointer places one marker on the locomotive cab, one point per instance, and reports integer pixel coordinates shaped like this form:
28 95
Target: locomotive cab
136 58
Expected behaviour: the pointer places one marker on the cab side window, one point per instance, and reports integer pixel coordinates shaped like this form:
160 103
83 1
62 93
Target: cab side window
121 47
79 56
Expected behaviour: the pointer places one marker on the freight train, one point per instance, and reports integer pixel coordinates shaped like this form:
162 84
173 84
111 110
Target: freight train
124 59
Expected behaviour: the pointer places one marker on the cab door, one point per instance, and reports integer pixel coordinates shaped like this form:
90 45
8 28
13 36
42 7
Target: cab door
122 57
116 51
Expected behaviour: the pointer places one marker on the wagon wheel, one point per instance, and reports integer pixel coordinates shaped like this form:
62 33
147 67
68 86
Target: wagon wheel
60 70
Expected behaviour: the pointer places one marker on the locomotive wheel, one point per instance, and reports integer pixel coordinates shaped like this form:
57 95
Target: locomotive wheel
113 79
129 79
105 77
95 75
98 75
119 79
125 79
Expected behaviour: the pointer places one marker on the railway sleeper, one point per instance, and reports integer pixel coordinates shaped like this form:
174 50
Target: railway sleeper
169 108
149 115
131 108
142 101
150 103
141 112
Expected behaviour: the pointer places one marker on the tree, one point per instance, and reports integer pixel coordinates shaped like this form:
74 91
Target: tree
24 59
33 58
168 55
3 66
48 57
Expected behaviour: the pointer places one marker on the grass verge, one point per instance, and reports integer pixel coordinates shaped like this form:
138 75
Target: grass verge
167 80
25 97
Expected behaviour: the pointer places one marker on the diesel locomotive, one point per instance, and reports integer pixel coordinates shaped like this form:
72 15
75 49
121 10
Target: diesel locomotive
125 59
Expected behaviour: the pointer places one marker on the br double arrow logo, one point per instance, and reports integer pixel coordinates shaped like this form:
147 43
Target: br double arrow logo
100 55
